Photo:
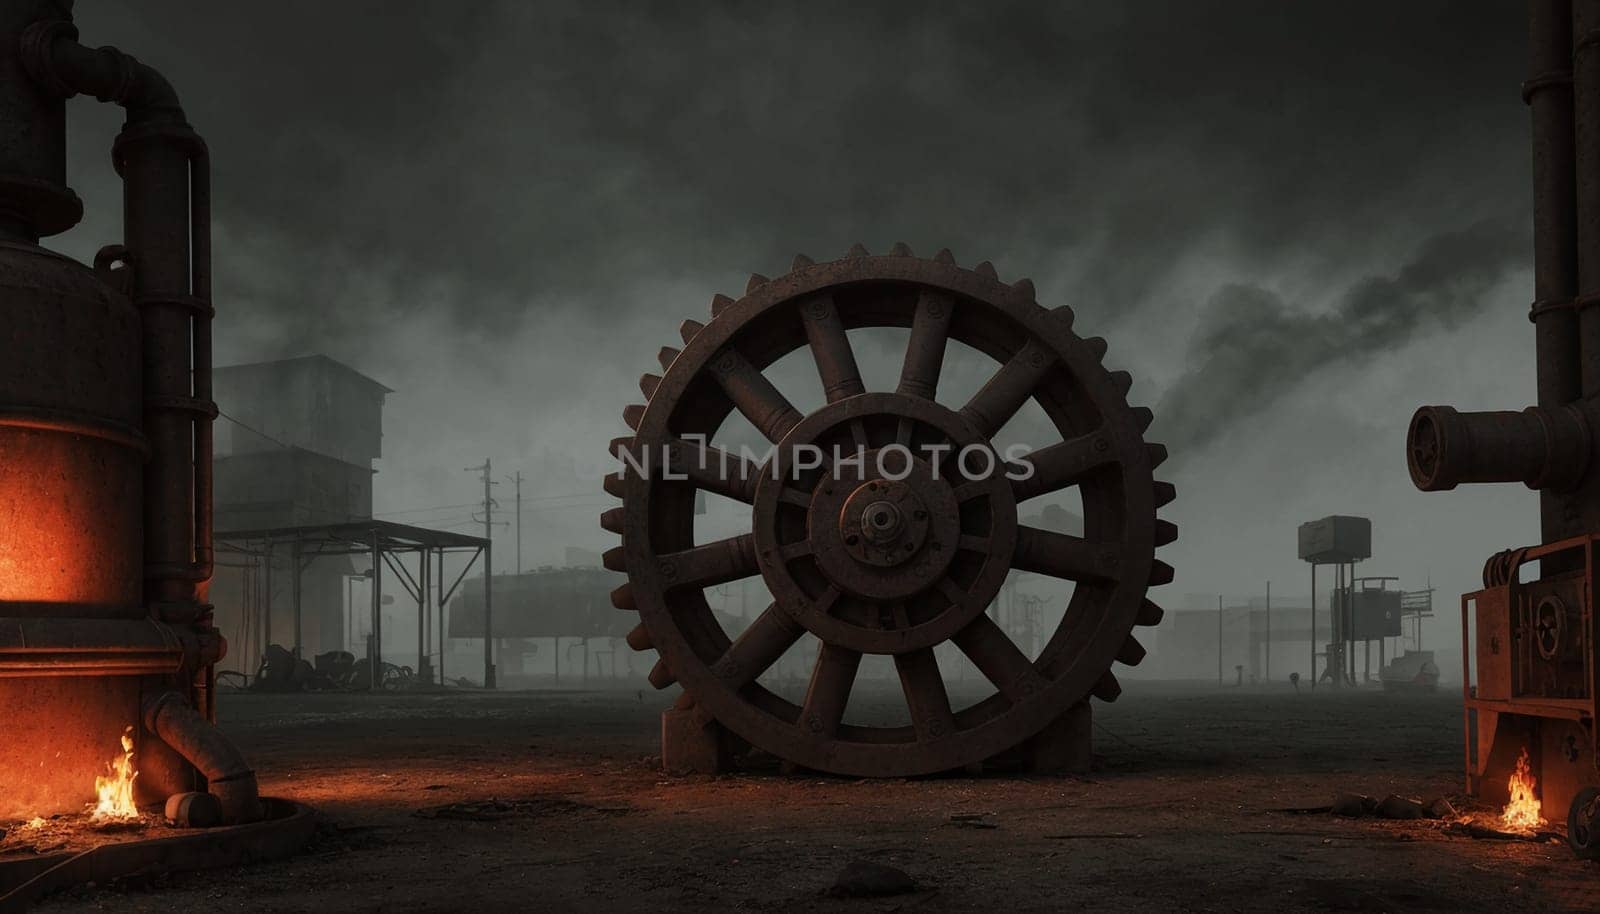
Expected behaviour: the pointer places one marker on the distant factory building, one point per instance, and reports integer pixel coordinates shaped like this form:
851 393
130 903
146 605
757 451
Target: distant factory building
294 447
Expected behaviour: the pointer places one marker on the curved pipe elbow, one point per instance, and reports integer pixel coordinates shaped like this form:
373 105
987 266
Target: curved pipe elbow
55 59
228 777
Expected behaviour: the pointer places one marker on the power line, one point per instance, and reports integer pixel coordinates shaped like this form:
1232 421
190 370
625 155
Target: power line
253 430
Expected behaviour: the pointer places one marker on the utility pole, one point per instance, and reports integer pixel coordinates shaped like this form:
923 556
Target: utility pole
1267 676
488 572
518 480
1219 639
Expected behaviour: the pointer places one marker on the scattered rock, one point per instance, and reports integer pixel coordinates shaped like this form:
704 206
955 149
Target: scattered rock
1352 805
972 820
1442 809
1398 807
865 879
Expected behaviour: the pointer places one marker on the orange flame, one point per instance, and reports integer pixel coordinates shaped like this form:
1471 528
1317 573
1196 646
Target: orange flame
1522 811
115 788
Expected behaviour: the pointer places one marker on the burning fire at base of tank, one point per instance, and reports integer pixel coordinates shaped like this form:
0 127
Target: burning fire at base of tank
114 789
1522 812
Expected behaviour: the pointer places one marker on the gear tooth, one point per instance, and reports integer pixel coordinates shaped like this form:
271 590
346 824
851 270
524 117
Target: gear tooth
611 520
1123 382
1157 454
1107 688
1165 493
1142 417
944 256
801 261
901 249
1024 288
1149 614
666 355
633 414
986 270
689 328
622 597
1131 652
613 484
660 676
639 639
756 282
648 384
856 250
1166 532
1160 573
614 560
1064 314
1097 345
719 304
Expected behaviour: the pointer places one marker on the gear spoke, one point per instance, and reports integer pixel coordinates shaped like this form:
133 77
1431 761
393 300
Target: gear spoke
997 658
930 330
715 470
1063 464
754 395
711 564
931 716
829 692
758 647
830 346
999 399
1062 556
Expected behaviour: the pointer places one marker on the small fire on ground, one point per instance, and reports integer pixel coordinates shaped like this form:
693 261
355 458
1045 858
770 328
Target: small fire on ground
1522 811
114 789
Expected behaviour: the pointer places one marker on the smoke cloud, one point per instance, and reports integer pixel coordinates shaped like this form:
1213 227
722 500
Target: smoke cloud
1251 347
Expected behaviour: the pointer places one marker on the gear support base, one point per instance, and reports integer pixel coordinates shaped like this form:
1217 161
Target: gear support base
692 742
1064 747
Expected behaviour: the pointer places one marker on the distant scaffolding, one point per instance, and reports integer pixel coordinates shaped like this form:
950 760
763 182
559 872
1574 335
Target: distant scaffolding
386 543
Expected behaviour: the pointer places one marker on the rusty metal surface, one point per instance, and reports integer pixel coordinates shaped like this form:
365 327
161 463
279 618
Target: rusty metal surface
105 414
896 556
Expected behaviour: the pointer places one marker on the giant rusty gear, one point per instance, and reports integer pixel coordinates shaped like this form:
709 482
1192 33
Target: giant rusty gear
901 545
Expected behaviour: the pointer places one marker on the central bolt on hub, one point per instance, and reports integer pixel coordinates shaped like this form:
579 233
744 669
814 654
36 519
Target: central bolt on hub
880 522
883 523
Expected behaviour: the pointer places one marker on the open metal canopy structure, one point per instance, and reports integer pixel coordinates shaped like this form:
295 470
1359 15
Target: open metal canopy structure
386 543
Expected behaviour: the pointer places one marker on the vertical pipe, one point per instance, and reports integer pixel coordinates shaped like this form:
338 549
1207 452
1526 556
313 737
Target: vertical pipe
266 610
488 609
1313 626
1268 674
158 229
374 654
422 617
1336 630
1350 617
439 588
1549 94
294 556
1219 639
1585 92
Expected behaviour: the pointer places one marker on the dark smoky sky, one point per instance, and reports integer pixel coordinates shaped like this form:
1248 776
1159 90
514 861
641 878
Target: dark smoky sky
1294 222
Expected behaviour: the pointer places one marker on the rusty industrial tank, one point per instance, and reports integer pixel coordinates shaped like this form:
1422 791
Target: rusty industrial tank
105 413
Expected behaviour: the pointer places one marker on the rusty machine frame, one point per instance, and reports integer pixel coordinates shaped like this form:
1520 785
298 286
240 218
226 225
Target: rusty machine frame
886 541
1535 648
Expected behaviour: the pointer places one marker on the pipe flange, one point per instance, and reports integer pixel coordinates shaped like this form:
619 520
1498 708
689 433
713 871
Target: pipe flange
37 40
1567 448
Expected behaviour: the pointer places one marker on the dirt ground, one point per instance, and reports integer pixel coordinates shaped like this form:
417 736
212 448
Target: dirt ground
1178 817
